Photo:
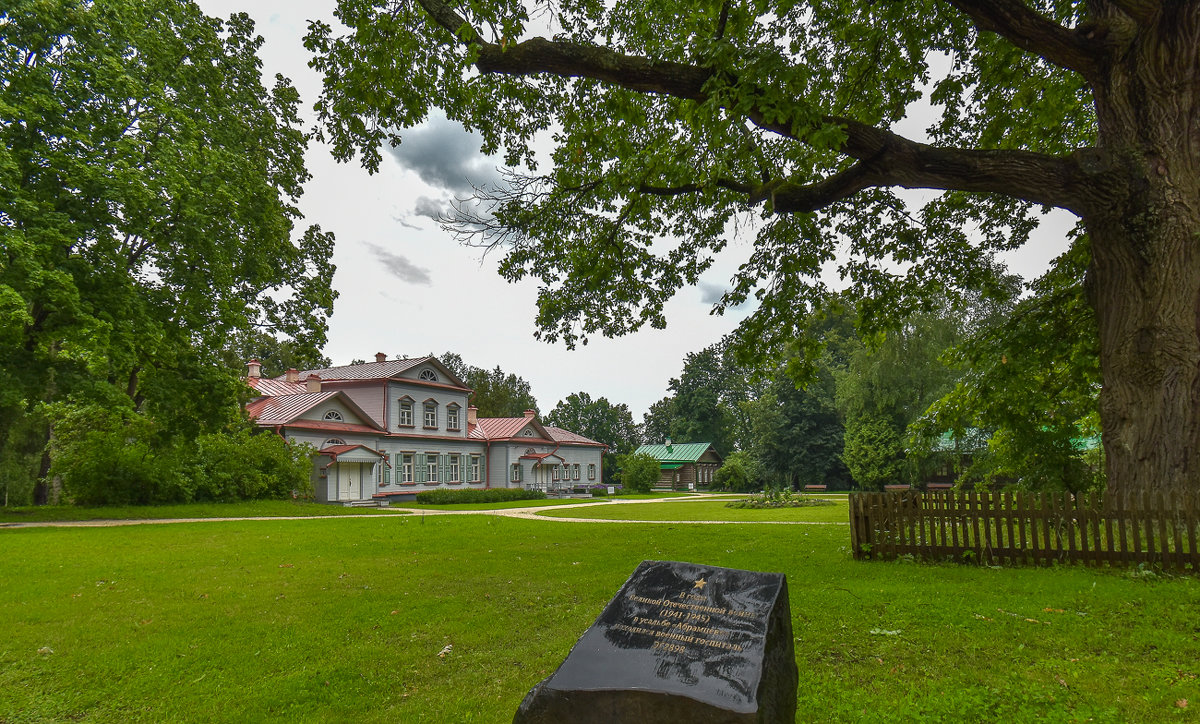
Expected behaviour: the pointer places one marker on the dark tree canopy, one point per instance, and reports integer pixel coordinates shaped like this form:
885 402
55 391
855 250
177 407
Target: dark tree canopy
496 393
675 123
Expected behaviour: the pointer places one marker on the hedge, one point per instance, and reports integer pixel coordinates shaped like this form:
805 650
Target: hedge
491 495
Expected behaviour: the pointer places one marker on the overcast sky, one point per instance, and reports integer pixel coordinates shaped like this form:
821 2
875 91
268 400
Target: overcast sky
406 288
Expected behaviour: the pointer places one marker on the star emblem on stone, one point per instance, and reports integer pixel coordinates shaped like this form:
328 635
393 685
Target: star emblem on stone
700 584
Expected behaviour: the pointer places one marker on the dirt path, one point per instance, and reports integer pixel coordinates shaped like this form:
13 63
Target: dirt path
529 513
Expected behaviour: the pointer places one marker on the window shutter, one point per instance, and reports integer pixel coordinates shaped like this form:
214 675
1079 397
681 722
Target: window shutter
419 467
387 472
444 467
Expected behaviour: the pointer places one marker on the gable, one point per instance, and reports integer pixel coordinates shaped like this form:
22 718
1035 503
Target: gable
335 410
431 371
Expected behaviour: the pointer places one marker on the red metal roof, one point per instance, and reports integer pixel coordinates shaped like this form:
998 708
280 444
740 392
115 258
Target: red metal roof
335 450
275 387
567 437
284 409
369 370
503 428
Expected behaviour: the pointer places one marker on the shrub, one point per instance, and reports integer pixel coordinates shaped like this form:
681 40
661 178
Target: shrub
245 465
639 472
737 474
490 495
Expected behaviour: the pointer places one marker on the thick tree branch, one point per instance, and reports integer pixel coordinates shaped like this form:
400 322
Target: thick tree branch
886 159
1143 12
1029 30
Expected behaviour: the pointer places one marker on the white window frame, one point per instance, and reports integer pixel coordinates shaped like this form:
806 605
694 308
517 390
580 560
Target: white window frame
406 467
333 441
405 416
575 472
591 471
431 467
556 472
429 407
334 416
475 471
428 375
455 466
515 473
452 417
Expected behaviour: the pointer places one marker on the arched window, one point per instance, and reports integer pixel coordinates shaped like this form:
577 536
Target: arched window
428 376
334 441
334 415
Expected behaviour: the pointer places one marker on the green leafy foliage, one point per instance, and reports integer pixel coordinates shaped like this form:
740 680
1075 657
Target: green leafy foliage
146 218
738 474
638 472
491 495
599 420
496 393
115 456
874 453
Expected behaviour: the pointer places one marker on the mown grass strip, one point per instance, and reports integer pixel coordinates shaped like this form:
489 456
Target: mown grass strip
707 511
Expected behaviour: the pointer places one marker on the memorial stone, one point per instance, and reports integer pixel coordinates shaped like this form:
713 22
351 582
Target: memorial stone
679 642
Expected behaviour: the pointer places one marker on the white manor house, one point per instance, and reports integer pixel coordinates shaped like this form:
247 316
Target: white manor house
389 429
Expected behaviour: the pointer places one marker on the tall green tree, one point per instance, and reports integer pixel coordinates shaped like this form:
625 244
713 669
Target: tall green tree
496 393
673 120
1031 379
148 190
601 421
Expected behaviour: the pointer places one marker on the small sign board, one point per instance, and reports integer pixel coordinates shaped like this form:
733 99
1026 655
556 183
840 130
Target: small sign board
679 642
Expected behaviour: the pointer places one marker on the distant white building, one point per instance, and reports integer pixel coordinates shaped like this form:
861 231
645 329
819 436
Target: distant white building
391 428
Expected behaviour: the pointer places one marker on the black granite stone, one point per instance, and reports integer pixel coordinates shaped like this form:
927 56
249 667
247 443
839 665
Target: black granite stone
679 642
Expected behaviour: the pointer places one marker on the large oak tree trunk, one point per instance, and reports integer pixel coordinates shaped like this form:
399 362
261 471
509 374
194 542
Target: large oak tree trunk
1144 279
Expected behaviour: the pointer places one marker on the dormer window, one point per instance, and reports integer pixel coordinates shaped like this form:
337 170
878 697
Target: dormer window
431 415
428 376
334 416
452 417
405 418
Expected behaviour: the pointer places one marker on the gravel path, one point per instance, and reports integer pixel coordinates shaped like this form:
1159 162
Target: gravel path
530 513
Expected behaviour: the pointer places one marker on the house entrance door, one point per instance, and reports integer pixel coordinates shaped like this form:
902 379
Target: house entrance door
347 479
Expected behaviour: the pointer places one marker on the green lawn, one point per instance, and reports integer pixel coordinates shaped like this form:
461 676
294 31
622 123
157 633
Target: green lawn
707 510
341 620
244 509
498 506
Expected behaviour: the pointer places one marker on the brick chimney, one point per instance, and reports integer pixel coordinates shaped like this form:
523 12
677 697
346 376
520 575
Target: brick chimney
472 415
380 357
254 368
529 414
313 383
292 375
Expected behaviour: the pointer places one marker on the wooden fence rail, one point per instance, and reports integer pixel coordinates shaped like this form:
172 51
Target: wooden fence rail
1156 528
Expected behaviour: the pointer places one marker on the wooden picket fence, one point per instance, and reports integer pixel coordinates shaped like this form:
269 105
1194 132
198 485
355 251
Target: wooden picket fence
1158 528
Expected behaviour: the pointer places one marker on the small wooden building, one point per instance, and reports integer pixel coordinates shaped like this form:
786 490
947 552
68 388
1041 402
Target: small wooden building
684 465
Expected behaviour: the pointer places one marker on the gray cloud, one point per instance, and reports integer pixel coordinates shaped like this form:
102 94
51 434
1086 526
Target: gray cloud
400 267
403 221
430 208
711 294
442 154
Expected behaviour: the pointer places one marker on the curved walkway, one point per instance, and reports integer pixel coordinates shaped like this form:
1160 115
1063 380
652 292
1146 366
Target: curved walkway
528 513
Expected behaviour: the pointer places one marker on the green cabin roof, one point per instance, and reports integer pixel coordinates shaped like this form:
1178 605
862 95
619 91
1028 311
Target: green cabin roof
680 452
